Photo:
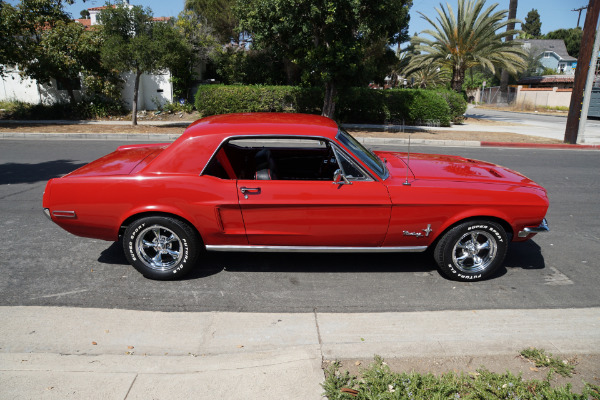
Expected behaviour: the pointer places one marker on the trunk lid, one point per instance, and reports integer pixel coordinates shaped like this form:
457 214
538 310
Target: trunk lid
123 161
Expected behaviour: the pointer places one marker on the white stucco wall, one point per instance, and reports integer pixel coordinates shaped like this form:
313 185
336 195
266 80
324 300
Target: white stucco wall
14 87
543 97
156 87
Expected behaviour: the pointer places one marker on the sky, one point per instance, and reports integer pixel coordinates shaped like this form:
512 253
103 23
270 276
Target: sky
554 14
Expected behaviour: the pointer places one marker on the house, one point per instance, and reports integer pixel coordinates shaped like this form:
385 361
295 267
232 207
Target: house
154 89
553 54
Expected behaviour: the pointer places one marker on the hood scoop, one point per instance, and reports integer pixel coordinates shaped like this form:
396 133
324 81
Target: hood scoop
495 173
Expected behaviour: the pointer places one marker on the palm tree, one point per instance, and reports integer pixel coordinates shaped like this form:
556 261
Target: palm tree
430 76
469 38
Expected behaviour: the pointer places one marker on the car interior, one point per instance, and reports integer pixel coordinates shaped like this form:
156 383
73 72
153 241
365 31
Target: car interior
279 159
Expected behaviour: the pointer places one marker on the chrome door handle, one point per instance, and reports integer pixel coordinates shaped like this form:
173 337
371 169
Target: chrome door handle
246 191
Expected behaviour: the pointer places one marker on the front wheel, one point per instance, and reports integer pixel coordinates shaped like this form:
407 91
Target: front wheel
471 251
161 248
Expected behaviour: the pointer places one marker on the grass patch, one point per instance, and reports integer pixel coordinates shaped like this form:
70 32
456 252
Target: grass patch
379 382
543 359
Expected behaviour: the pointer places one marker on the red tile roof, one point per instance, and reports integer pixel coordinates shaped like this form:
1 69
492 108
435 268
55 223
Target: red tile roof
84 22
547 79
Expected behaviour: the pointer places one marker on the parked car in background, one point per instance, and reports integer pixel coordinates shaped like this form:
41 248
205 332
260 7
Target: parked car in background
290 183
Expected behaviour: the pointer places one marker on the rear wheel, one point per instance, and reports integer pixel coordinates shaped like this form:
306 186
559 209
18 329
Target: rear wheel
471 251
161 248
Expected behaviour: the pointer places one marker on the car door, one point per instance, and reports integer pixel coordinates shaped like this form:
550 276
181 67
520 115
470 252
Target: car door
310 209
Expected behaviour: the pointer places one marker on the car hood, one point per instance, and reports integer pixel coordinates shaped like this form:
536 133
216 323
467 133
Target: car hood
451 168
123 161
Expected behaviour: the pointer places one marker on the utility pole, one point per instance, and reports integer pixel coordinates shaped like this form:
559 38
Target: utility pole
585 108
583 66
579 9
512 14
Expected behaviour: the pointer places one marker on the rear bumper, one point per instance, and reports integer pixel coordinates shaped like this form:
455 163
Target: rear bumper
543 227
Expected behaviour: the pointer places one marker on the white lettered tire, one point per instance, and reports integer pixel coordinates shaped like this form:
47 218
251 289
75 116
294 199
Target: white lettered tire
471 251
161 248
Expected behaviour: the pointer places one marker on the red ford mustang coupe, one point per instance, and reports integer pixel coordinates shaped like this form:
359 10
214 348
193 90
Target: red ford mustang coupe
289 183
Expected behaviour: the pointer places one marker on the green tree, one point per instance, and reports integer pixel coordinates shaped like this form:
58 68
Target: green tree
46 44
473 36
7 48
219 15
430 76
201 44
572 38
66 52
133 42
534 64
84 14
532 25
327 39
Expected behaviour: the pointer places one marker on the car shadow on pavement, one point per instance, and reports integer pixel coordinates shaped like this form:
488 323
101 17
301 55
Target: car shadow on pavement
322 262
14 173
525 255
114 255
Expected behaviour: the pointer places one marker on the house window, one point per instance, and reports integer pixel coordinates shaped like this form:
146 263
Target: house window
546 55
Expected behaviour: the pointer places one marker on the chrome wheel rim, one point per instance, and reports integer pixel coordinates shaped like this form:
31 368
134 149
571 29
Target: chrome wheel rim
474 251
159 248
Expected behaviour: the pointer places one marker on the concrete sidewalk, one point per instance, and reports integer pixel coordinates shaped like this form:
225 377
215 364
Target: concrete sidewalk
59 353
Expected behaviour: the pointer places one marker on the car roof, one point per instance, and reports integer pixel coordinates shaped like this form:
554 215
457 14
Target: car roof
192 150
261 124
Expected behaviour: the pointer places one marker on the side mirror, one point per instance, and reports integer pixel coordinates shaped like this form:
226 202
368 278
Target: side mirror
339 178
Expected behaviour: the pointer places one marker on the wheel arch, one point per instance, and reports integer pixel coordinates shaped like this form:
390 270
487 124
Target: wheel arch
500 221
144 214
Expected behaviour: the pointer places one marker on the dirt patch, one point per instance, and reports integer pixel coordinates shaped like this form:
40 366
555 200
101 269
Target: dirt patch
527 109
587 367
486 122
158 116
91 128
457 135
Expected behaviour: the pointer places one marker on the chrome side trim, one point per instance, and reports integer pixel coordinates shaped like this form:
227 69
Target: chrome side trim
64 214
543 227
318 249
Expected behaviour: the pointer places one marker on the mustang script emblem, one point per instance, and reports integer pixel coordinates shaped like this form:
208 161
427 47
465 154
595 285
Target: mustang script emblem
420 234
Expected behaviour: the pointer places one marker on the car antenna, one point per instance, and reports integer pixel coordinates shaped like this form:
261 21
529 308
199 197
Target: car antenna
406 182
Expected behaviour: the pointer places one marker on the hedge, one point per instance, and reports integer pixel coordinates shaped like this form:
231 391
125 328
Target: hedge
356 105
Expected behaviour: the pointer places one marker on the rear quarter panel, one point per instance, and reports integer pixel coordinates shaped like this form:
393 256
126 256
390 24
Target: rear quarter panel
103 203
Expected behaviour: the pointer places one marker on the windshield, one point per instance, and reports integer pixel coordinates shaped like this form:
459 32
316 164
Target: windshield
365 155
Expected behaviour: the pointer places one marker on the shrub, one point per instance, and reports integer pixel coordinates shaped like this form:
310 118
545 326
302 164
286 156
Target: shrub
457 104
356 105
221 99
93 107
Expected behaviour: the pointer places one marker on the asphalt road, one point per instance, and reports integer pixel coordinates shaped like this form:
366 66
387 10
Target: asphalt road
527 118
40 264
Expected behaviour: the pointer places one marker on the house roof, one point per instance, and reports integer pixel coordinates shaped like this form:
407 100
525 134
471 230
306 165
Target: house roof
529 80
98 8
555 45
85 22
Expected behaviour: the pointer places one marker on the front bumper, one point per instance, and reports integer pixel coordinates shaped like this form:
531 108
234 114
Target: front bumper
543 227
